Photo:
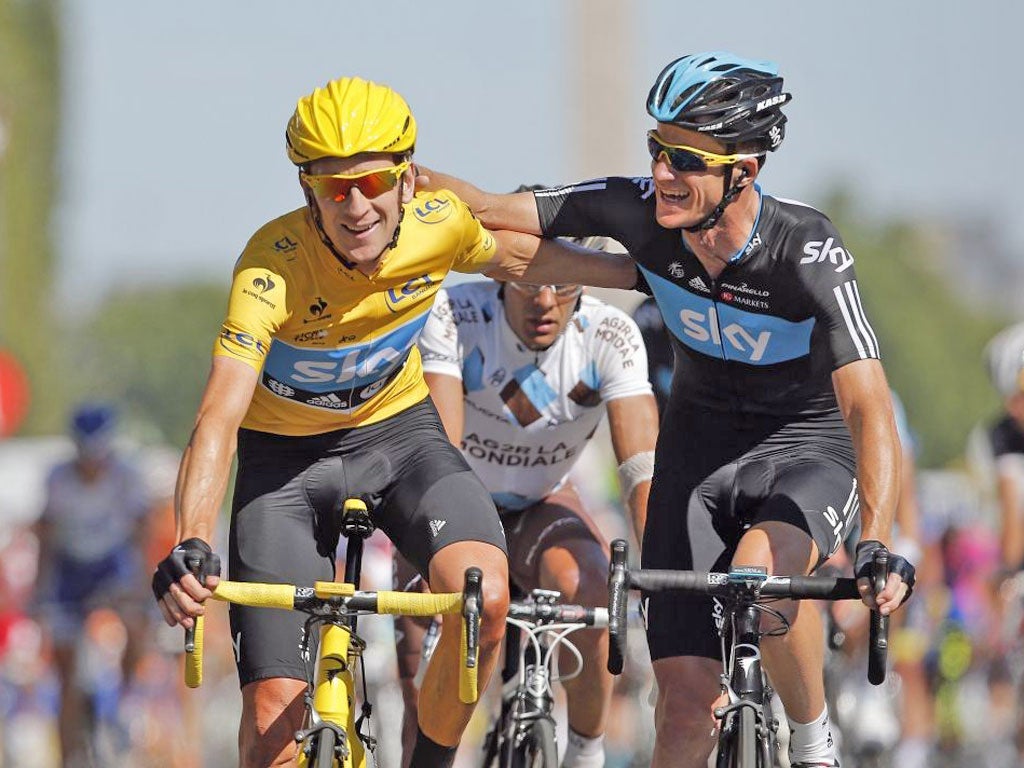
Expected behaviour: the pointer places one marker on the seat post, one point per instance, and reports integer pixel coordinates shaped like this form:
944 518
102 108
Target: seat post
356 526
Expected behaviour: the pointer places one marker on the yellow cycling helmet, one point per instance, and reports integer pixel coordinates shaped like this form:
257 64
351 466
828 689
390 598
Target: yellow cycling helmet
349 116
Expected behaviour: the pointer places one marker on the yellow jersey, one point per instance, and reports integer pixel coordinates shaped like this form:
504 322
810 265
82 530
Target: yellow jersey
335 348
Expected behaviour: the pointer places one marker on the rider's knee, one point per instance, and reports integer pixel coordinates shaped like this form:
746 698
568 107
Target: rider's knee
496 599
272 711
580 573
688 716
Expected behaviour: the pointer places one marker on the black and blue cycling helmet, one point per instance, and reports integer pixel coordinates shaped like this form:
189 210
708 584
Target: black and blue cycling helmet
735 100
92 428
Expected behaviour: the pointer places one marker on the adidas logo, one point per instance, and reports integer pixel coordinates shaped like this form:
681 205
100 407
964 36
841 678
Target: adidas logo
436 526
699 284
328 401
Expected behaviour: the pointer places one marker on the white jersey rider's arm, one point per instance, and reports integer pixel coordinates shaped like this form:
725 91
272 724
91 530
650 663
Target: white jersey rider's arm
516 211
633 422
866 405
446 392
535 260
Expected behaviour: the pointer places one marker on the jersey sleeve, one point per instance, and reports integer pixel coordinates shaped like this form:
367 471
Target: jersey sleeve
256 309
619 356
477 246
826 275
613 207
439 343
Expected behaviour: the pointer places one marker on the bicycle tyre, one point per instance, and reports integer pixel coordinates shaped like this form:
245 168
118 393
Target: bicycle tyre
747 747
537 749
325 749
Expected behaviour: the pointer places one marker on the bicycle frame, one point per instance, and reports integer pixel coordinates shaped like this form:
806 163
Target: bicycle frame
330 736
535 630
745 734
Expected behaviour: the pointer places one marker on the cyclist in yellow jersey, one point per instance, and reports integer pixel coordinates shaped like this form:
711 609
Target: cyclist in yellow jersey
317 383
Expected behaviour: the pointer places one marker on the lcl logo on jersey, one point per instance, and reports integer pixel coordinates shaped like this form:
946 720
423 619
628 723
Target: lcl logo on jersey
410 290
433 211
817 251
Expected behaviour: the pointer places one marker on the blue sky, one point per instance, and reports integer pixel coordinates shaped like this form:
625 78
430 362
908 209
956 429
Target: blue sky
174 113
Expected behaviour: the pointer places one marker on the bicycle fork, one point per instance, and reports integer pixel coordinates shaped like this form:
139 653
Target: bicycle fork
744 683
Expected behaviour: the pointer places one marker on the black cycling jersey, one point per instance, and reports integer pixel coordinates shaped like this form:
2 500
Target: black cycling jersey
660 353
761 339
1006 437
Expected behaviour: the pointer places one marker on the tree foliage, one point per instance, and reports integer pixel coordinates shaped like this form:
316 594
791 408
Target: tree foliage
931 340
149 350
29 95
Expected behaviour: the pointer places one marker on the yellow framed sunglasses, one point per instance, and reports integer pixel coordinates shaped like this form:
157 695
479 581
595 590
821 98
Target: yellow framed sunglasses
339 186
687 159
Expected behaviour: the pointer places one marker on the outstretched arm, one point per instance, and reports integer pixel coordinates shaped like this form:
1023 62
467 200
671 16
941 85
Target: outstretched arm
516 211
531 259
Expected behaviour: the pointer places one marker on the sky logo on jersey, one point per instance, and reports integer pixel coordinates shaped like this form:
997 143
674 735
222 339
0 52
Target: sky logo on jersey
818 251
433 211
719 330
359 365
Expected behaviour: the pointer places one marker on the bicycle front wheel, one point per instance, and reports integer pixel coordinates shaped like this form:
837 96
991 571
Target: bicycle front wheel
746 740
325 749
537 749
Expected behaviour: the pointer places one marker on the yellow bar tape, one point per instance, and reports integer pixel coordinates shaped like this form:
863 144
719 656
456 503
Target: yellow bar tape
418 603
194 660
256 595
469 690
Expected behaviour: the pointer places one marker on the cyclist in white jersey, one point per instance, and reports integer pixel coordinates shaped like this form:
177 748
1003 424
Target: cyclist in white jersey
522 376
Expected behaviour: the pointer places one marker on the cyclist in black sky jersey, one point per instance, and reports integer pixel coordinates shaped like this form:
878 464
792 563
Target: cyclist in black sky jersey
779 429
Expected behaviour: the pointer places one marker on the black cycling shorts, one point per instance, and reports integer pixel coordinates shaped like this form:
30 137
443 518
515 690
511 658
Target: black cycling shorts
286 513
711 483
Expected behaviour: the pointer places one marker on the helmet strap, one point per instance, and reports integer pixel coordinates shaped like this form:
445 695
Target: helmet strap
729 193
314 210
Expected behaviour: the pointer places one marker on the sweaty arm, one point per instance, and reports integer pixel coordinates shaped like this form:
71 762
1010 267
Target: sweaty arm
866 406
204 472
633 422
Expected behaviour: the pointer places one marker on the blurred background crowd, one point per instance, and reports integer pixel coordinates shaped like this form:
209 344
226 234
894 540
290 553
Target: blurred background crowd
139 147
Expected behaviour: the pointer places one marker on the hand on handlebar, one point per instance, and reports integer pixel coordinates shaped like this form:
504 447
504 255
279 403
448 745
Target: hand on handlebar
183 581
899 582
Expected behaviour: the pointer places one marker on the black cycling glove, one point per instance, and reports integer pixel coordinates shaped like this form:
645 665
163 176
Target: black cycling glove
189 554
865 555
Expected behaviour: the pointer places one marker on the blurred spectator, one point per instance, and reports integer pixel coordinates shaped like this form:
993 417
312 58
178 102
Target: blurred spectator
1004 357
90 540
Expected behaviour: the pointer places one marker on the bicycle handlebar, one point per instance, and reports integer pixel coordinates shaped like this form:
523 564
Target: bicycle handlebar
327 593
878 639
558 614
621 580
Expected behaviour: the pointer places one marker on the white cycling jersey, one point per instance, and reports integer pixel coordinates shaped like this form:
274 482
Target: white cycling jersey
528 414
91 520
